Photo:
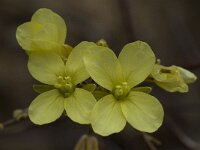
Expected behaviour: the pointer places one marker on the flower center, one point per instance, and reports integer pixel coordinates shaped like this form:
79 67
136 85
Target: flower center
64 85
121 91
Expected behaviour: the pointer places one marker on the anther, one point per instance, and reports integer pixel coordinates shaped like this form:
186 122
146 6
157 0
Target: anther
124 83
60 79
118 86
68 79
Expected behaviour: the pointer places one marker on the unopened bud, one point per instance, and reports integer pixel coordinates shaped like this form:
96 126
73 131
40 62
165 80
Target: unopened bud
102 42
87 143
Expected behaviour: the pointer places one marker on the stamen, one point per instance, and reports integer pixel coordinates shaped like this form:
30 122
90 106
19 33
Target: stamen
68 79
118 86
124 83
121 91
64 85
57 85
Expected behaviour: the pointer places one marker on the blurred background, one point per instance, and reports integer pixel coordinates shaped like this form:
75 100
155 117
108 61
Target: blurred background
171 27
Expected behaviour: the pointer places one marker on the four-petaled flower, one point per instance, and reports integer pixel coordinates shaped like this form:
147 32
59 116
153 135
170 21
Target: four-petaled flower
119 76
50 69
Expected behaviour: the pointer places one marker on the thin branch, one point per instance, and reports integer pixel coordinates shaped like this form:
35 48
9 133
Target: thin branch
18 115
182 136
151 141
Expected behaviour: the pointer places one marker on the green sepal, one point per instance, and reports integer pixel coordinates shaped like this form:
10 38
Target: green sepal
99 94
144 89
90 87
41 88
87 143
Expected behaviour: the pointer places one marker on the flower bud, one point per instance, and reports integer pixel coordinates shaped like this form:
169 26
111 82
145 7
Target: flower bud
87 143
172 78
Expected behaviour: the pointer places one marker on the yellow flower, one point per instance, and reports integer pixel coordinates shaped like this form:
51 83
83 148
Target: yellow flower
45 32
50 69
120 76
173 78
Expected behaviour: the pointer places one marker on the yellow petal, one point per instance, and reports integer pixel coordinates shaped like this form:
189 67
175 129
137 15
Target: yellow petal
103 67
25 33
75 66
107 116
45 16
46 67
137 60
143 111
79 106
176 86
46 108
187 76
45 32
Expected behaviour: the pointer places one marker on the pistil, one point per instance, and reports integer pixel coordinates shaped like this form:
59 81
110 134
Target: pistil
64 85
121 91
